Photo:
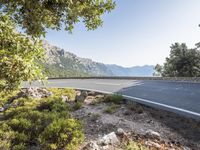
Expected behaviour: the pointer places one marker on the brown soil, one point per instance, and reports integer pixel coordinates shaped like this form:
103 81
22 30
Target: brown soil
176 132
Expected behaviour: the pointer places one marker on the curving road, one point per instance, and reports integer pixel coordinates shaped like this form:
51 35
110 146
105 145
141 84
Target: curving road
179 97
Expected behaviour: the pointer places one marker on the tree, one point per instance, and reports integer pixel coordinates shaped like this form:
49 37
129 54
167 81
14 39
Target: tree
34 16
20 53
19 56
182 62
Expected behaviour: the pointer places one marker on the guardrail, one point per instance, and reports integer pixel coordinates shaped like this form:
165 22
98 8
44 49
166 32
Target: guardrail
189 79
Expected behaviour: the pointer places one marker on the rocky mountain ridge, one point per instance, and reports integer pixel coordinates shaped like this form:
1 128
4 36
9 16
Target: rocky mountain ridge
61 63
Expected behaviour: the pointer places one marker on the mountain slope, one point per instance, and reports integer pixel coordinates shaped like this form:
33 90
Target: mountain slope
61 63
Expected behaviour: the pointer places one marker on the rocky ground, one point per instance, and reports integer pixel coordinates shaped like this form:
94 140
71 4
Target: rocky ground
155 129
110 126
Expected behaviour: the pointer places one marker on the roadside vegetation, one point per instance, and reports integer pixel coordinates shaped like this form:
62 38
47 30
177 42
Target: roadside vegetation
182 62
44 123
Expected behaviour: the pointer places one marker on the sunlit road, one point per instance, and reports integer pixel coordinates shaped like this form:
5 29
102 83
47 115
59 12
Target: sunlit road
181 97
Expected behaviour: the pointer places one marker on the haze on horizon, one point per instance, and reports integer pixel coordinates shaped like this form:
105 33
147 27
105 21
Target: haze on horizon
137 32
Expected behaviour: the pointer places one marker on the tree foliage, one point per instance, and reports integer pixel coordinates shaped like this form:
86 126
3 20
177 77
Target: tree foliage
182 62
18 56
36 15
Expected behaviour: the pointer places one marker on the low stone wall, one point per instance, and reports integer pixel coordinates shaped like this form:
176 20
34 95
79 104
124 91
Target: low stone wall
184 79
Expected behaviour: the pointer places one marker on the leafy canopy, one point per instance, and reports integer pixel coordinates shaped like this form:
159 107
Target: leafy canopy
182 62
20 54
36 15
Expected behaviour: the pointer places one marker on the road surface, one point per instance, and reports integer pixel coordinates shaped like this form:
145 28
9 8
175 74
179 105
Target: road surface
176 96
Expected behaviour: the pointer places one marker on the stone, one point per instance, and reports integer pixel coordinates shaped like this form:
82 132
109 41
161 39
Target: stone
109 139
81 97
89 100
2 109
152 144
92 145
91 93
64 98
120 132
152 134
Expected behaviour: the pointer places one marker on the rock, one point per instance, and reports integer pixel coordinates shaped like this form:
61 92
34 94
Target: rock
152 144
120 132
106 147
186 148
91 93
64 98
38 92
89 99
81 97
78 93
109 139
152 134
92 145
2 109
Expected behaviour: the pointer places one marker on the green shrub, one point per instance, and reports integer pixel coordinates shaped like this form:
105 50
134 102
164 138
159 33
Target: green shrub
111 109
77 105
6 136
134 146
24 124
94 116
114 98
58 92
136 108
62 134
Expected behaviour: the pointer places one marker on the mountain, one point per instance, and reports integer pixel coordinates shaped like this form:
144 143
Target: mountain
61 63
146 70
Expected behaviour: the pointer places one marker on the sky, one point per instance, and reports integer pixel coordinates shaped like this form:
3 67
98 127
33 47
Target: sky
135 33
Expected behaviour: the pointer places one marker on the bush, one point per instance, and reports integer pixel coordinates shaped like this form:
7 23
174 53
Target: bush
77 105
24 124
134 146
112 108
70 93
66 135
115 98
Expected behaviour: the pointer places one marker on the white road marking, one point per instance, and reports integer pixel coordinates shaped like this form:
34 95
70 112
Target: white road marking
146 101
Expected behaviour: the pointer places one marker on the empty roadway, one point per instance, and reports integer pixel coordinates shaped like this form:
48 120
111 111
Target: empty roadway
181 97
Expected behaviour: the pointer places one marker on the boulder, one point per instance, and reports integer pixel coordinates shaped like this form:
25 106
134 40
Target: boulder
92 145
109 139
64 98
120 132
152 144
152 134
38 92
2 109
81 97
89 99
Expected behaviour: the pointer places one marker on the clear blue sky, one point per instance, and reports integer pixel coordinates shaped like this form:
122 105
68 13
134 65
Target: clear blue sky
137 32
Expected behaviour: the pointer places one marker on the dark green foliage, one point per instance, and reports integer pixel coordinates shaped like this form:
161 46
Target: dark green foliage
35 122
77 105
35 16
60 132
114 98
111 109
182 62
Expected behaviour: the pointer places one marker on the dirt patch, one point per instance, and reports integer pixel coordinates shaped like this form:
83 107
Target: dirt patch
176 132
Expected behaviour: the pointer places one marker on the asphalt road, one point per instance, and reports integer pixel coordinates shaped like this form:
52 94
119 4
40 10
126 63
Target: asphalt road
179 97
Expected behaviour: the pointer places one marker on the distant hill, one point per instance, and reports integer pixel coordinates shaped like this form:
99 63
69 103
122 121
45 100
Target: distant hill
61 63
146 70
